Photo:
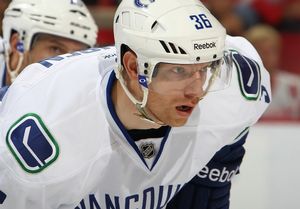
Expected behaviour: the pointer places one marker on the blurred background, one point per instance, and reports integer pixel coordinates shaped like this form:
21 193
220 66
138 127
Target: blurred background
270 170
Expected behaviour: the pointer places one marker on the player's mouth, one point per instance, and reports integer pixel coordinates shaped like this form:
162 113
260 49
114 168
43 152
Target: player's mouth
184 110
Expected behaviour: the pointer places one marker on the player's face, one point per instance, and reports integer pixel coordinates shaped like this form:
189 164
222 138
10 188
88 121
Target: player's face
175 91
45 46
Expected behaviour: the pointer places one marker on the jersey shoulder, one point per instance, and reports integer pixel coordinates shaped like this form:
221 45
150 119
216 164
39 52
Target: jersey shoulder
251 75
68 78
52 116
241 104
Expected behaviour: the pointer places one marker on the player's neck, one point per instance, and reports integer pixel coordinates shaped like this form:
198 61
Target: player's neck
125 110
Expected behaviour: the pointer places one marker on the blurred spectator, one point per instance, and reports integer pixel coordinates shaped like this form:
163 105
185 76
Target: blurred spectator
285 86
3 6
225 11
279 13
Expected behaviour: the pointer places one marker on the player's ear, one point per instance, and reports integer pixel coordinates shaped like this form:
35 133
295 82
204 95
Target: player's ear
130 64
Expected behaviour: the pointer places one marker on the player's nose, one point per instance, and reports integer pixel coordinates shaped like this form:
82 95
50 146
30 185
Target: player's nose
194 89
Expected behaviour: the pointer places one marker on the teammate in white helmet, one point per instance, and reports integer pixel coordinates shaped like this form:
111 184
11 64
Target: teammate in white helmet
132 133
37 29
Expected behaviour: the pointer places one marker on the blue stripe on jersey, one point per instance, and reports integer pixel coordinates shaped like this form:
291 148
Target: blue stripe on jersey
3 82
2 197
113 113
3 91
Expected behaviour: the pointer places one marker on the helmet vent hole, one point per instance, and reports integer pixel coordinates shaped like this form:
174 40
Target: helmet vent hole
181 50
197 59
49 23
125 20
85 36
215 56
173 48
164 45
35 15
71 32
153 25
34 19
16 9
79 12
51 17
117 19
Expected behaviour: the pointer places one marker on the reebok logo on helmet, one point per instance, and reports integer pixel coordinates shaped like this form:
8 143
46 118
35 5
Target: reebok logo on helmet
198 46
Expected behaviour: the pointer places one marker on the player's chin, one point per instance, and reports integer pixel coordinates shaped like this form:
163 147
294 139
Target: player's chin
177 122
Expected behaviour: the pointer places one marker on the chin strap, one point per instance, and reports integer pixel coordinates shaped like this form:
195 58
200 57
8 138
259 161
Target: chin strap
145 116
140 105
14 73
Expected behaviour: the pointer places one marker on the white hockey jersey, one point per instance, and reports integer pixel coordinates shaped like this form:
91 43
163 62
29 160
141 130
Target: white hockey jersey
62 145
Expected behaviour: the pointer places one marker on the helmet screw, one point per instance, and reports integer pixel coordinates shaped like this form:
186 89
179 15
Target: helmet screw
215 56
145 72
146 65
197 59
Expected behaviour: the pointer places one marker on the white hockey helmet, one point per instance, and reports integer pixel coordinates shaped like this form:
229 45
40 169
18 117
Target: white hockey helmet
173 31
166 31
66 18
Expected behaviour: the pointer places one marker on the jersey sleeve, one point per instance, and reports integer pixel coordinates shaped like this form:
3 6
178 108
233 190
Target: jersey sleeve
44 163
253 78
239 106
210 188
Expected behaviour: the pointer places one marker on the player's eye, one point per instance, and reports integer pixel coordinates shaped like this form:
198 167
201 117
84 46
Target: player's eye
178 70
56 50
179 73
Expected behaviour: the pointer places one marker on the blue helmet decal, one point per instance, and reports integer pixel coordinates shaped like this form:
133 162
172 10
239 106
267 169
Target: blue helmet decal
139 3
143 81
77 2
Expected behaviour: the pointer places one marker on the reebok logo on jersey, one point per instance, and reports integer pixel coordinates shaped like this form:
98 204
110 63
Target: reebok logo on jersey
31 143
198 46
217 175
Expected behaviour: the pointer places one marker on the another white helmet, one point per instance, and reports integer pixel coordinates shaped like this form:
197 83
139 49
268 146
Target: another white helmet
66 18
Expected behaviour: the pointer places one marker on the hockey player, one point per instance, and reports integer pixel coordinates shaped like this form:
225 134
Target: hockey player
37 29
132 134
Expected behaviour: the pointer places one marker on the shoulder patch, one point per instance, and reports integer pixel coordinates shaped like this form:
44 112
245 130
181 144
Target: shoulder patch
249 76
31 143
